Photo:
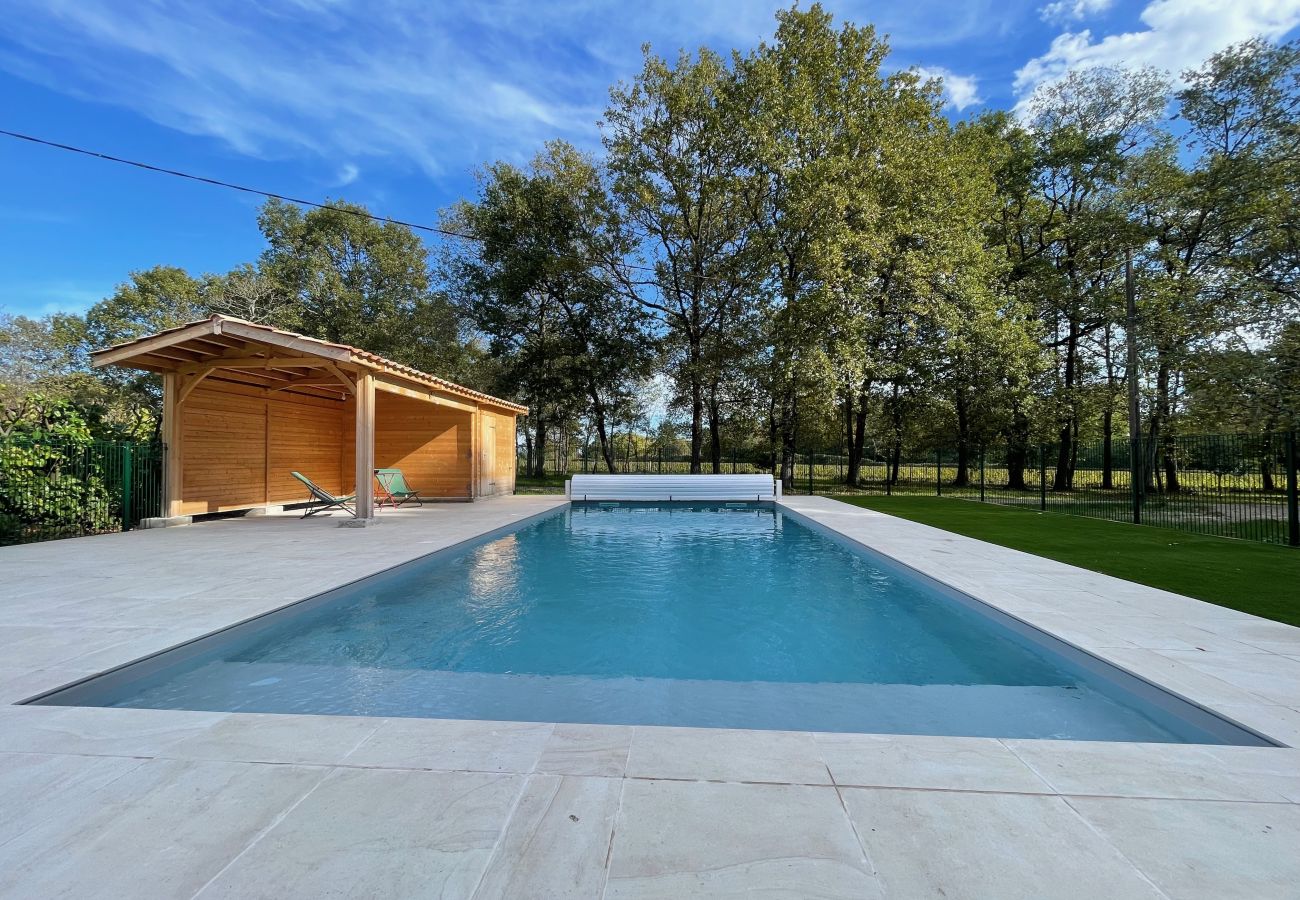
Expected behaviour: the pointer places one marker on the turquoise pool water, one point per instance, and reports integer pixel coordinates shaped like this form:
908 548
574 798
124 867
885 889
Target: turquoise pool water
718 616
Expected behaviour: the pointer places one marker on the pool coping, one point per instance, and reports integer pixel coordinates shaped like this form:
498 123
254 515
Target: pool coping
1234 678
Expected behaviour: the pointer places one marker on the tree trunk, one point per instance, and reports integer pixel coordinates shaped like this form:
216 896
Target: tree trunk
847 408
1018 451
1172 483
1064 477
528 450
789 438
539 445
1107 451
856 423
697 430
602 430
896 422
693 360
963 442
771 435
1063 480
715 430
1160 439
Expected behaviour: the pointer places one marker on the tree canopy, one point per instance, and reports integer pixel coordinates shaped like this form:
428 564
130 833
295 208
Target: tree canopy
794 248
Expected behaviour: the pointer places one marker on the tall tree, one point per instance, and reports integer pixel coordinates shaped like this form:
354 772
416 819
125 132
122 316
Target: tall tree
354 280
545 279
1063 226
677 173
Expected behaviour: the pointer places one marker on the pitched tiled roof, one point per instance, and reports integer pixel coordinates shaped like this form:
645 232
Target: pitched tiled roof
356 355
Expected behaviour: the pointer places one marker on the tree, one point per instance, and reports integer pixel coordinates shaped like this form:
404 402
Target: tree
353 280
1217 262
1242 108
678 177
247 293
812 101
1063 225
545 280
41 367
151 300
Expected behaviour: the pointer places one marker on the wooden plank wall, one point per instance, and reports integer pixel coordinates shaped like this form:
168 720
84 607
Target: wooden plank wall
239 446
431 444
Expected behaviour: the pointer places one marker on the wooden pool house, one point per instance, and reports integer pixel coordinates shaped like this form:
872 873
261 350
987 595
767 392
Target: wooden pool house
245 405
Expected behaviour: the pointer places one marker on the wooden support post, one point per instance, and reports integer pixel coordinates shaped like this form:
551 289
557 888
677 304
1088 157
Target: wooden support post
174 458
365 435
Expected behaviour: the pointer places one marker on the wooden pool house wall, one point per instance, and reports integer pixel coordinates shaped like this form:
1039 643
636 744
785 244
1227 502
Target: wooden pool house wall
244 405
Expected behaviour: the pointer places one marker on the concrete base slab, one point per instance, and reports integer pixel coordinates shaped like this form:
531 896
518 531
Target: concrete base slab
165 521
263 511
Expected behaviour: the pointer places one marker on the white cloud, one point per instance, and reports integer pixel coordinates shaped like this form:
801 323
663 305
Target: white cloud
1179 35
347 174
438 87
960 91
1062 12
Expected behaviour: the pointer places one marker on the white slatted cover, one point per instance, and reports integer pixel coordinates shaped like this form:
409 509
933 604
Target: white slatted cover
671 487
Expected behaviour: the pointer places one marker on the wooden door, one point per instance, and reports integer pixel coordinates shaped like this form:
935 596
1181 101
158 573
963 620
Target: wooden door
487 456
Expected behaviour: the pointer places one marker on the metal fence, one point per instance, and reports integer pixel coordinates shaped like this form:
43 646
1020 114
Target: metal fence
1238 486
61 488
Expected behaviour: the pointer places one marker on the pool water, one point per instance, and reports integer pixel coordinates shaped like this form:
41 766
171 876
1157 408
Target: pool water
661 614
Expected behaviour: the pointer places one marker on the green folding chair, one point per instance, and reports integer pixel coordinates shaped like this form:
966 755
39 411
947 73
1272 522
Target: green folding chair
322 500
394 490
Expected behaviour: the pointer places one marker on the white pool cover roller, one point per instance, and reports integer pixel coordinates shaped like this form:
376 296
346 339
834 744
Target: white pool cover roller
672 487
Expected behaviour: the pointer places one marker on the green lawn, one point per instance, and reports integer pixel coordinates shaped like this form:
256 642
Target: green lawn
547 484
1262 579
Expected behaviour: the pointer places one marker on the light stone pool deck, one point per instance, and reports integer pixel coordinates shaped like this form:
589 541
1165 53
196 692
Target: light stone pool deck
146 803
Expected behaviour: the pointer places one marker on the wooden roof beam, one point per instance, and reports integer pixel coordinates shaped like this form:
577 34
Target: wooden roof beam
111 355
332 391
287 341
255 362
384 384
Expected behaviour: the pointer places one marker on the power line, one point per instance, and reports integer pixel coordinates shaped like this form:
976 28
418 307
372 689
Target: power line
216 182
361 214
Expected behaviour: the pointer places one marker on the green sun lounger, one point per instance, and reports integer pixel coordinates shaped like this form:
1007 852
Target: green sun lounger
322 500
394 490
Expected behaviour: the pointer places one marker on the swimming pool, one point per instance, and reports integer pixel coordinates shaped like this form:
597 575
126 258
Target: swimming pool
721 615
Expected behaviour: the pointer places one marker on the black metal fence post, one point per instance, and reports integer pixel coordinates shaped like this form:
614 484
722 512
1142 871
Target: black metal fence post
127 478
1042 477
1292 492
938 473
981 474
810 474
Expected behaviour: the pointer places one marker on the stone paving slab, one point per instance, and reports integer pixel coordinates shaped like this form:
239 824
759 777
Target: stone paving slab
173 803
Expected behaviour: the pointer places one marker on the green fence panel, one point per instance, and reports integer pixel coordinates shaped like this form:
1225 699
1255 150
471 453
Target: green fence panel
60 488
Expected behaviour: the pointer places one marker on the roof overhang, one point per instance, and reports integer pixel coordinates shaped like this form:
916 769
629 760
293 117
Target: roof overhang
234 350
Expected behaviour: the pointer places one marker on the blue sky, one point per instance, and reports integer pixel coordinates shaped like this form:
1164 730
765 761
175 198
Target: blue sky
393 103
